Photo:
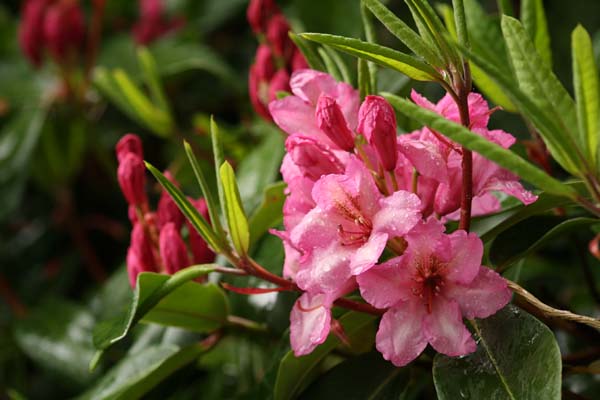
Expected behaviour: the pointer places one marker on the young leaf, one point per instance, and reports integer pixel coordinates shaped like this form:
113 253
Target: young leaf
534 22
234 211
187 208
517 357
585 82
403 32
217 148
381 55
269 213
503 157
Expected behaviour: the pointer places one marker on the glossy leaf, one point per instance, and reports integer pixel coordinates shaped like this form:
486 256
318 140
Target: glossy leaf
217 148
136 374
527 236
295 373
188 209
503 157
269 213
234 210
367 376
533 17
585 82
381 55
517 357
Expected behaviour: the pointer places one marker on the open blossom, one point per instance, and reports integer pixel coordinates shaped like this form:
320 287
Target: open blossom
428 290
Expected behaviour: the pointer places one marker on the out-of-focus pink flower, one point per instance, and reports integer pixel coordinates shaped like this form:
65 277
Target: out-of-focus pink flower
167 211
279 83
31 30
172 249
140 256
261 73
298 61
377 122
202 254
131 175
277 36
259 13
438 280
64 30
153 22
129 143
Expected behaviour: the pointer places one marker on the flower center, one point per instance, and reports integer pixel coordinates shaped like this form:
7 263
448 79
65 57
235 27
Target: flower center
356 229
429 280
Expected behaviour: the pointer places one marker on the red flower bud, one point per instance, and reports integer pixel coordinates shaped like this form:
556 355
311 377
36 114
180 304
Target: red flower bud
153 22
129 143
134 266
64 31
314 159
261 72
132 179
142 245
332 122
167 211
259 12
279 83
377 122
172 249
298 61
265 68
278 38
202 254
31 30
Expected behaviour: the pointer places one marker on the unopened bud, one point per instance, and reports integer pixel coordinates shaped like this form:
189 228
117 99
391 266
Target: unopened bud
279 83
31 30
131 175
331 121
377 122
259 12
167 211
298 61
314 159
134 267
64 31
278 38
265 68
172 249
142 245
129 143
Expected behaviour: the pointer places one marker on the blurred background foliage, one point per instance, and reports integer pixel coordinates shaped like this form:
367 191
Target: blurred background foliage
64 228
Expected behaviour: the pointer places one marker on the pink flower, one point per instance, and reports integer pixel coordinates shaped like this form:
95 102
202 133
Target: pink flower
153 22
259 12
64 30
140 255
428 290
331 121
377 122
277 35
347 231
172 249
129 143
31 30
131 175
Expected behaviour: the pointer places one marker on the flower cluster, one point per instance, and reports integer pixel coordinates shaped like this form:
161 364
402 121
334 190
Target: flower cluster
157 243
52 26
276 57
365 209
153 22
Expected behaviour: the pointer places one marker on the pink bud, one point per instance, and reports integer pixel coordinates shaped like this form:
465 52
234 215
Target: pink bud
314 159
279 83
167 211
265 68
172 249
132 179
153 22
255 87
141 244
331 121
31 30
64 31
377 122
278 38
202 254
129 143
298 61
134 266
261 72
259 12
132 214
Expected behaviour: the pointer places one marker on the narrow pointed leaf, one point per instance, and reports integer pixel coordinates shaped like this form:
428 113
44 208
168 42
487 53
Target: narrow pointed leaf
234 211
381 55
371 37
188 209
330 65
460 22
152 78
503 157
340 64
533 17
269 213
585 82
506 7
308 51
217 148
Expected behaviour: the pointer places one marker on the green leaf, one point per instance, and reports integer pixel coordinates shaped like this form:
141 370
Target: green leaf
269 213
152 79
57 336
460 21
527 236
403 32
234 210
150 289
211 202
367 376
585 82
534 22
381 55
330 66
364 78
188 209
517 358
503 157
217 148
340 64
371 37
295 373
308 51
136 374
539 83
506 7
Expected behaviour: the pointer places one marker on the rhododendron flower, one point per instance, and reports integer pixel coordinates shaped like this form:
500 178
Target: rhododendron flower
439 159
428 290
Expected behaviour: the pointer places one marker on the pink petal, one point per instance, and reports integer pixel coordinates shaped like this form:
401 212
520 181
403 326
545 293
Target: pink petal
368 254
398 214
310 322
467 251
308 84
485 295
387 284
348 99
421 100
325 269
498 136
292 255
424 237
426 158
512 188
445 330
400 337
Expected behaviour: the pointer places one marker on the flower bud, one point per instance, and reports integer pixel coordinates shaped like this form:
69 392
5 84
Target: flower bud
131 175
134 267
261 72
298 61
153 22
331 121
314 159
202 254
172 249
64 31
142 246
377 122
31 30
129 143
265 68
259 12
279 83
167 211
278 38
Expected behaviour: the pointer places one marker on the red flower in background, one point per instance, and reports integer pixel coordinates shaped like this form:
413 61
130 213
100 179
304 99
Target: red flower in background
153 22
